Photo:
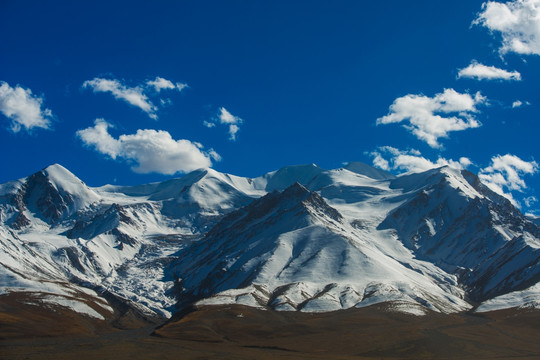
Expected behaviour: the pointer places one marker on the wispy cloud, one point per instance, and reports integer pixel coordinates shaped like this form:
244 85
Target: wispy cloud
24 109
136 96
483 72
132 95
432 118
389 158
519 103
209 124
505 174
150 150
226 118
530 201
160 83
517 21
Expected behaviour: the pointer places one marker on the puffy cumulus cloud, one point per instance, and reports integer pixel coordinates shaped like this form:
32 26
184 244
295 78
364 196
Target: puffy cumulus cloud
389 158
99 137
431 118
149 150
24 109
517 21
505 174
483 72
163 84
136 96
224 117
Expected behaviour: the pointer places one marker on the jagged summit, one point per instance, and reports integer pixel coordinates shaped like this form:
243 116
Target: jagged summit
51 194
295 202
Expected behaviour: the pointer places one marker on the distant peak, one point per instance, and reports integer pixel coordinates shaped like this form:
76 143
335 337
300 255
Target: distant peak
369 171
284 177
304 167
57 171
62 178
55 166
296 189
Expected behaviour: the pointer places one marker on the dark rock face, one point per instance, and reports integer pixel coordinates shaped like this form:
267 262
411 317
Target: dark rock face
20 222
41 197
295 206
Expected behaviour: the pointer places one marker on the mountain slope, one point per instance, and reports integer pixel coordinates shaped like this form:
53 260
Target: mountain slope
292 251
298 238
453 220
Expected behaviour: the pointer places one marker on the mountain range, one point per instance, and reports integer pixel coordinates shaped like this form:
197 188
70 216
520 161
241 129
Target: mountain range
301 238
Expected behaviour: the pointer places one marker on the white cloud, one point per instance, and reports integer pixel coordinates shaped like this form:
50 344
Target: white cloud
530 201
163 84
380 162
133 96
23 108
429 118
389 158
149 150
214 155
505 174
99 137
181 86
136 96
209 124
519 103
233 129
482 72
517 21
226 118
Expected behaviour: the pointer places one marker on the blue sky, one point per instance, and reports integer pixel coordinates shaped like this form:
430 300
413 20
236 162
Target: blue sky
133 92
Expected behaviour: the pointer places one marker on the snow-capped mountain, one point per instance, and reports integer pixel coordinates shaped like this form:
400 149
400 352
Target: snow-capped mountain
300 238
290 250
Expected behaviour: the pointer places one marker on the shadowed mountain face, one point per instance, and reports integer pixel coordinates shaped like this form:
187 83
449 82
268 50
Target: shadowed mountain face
297 239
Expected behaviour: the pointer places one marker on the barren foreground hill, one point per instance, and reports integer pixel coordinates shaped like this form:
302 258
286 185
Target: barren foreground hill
241 332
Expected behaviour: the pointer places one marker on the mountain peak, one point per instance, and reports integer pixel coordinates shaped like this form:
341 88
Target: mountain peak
288 175
369 171
55 167
55 192
58 173
295 200
296 190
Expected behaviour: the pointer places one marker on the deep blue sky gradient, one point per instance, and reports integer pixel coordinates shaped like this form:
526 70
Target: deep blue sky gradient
309 78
